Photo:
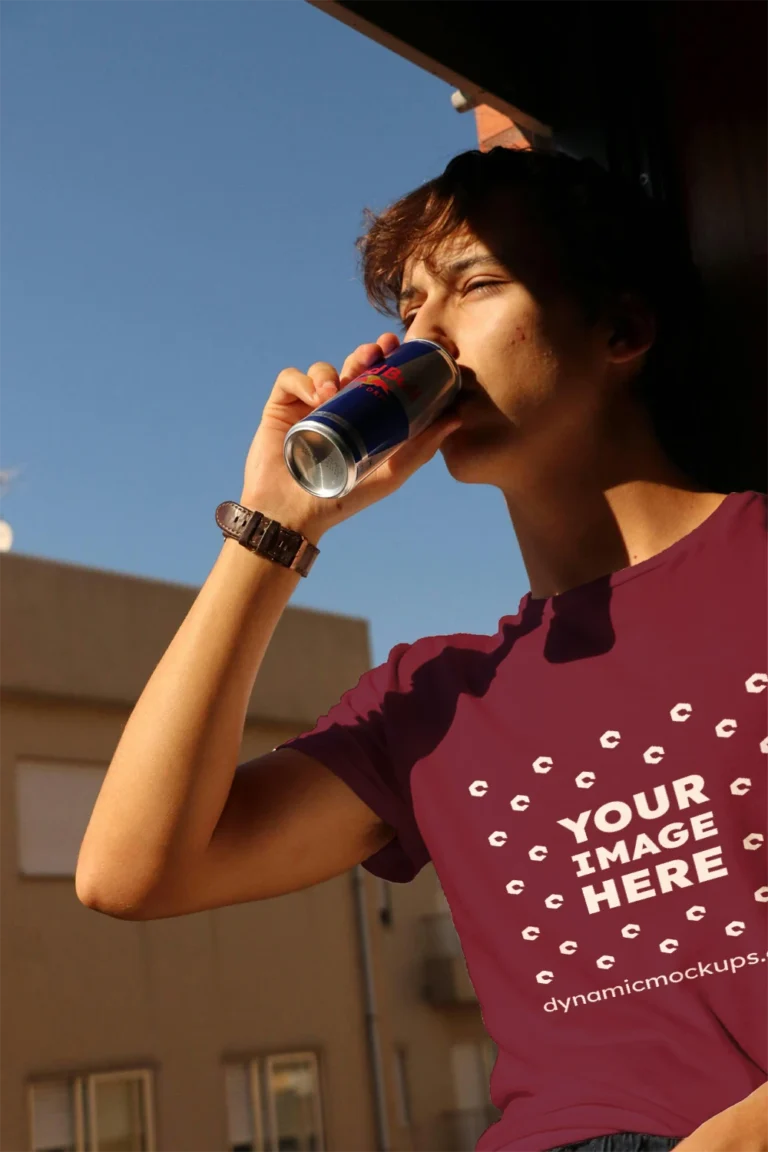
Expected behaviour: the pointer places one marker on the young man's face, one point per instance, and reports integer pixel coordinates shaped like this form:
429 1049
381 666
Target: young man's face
536 377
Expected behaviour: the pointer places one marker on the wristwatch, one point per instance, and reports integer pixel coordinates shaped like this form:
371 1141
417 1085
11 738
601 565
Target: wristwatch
266 537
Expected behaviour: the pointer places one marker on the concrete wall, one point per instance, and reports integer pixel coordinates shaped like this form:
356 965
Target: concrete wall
84 993
80 633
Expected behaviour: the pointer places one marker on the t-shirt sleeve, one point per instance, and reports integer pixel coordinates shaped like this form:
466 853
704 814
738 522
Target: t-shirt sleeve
358 741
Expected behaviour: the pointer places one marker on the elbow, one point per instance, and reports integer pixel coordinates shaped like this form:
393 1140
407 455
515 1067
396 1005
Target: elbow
98 895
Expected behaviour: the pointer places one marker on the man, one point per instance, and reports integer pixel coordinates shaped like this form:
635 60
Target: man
589 781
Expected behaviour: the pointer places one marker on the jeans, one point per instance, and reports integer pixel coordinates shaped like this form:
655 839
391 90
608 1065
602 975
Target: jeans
622 1142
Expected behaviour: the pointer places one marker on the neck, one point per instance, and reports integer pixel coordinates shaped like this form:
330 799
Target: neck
604 511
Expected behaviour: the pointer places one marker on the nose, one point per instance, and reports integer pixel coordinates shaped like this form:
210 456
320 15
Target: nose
434 332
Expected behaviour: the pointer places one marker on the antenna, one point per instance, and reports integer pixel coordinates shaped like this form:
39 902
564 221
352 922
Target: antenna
6 532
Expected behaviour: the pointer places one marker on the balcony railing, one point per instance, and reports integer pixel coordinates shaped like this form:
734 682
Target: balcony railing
445 979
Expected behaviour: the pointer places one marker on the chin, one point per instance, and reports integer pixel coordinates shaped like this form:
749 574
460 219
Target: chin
476 456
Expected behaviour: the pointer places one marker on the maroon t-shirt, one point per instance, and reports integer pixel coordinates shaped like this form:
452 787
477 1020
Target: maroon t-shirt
590 783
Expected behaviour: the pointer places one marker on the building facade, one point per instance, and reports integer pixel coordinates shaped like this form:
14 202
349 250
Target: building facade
338 1017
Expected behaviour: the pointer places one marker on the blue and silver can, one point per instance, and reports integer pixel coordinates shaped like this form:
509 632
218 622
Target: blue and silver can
354 432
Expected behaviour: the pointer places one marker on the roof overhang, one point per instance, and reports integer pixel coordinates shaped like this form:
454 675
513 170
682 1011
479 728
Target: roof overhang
543 65
411 30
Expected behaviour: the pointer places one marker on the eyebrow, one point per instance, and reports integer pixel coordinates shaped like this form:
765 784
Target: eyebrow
454 269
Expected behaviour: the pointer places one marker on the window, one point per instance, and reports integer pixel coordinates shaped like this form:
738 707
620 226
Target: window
100 1112
402 1092
241 1085
294 1101
53 806
274 1103
54 1117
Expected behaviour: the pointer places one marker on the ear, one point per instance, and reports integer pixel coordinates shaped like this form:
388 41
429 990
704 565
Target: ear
633 329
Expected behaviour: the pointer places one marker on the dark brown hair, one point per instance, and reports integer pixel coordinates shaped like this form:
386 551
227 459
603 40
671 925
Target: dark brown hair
606 238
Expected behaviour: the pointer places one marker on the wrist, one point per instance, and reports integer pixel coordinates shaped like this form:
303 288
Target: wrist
292 518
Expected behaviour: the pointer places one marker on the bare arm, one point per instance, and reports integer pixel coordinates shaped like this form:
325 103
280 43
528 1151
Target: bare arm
175 827
288 823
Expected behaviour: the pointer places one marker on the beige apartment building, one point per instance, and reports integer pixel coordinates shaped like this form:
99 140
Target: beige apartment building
340 1018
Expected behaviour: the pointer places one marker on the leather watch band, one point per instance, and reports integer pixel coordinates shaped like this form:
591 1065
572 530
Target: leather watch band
266 537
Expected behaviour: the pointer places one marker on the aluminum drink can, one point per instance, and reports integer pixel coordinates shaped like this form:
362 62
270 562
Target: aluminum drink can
352 434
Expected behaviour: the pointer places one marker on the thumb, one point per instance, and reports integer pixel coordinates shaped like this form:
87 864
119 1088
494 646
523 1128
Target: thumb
436 433
394 472
423 447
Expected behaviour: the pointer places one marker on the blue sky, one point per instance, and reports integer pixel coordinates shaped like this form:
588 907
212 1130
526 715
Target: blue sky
182 185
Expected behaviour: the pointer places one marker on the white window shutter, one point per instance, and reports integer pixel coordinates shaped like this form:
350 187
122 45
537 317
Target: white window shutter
53 1124
53 805
239 1118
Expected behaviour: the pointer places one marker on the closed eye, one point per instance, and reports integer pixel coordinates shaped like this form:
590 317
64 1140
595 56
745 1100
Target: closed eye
487 285
484 284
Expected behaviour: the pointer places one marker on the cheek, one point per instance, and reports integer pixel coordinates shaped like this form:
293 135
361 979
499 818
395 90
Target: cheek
562 330
528 367
524 335
514 362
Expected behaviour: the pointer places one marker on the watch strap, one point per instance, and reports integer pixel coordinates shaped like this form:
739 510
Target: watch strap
266 537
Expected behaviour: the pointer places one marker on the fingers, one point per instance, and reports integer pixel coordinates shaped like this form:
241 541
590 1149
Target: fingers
388 342
366 355
321 380
293 385
363 357
312 387
325 380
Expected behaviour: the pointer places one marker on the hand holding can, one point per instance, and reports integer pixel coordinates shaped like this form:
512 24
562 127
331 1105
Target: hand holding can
353 433
267 483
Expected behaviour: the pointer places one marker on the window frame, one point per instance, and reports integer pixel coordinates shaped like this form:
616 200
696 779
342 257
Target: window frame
81 1088
255 1096
263 1100
269 1062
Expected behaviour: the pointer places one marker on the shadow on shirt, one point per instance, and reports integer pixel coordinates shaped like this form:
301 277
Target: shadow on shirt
410 722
